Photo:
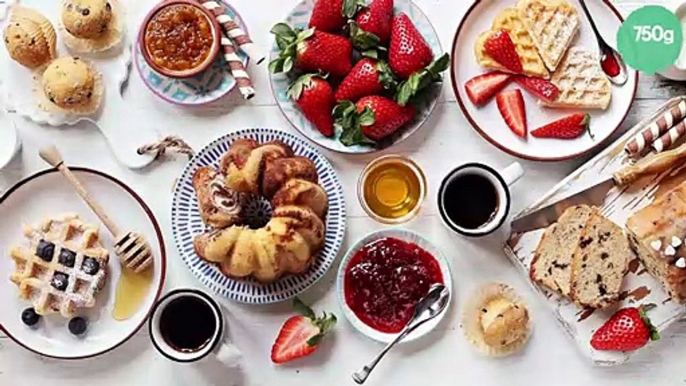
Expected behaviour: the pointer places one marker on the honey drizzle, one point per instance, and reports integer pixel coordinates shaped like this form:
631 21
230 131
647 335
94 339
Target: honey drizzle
132 290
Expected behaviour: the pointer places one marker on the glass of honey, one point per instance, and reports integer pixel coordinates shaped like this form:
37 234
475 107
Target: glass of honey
391 189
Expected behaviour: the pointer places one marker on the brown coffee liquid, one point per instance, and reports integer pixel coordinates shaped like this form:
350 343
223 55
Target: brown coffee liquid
188 324
470 201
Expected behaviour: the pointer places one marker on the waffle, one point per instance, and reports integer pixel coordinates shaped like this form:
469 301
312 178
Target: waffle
581 81
552 24
52 278
509 20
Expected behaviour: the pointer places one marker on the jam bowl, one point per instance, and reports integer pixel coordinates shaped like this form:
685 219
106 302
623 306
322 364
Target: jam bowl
180 38
390 258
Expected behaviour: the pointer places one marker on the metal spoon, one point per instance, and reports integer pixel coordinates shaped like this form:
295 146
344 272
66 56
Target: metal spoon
428 308
607 52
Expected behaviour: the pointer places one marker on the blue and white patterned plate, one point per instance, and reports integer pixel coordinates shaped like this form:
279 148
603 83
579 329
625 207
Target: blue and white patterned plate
299 17
187 223
206 87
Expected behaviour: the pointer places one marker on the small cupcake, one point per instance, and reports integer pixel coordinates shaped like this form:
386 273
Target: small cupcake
29 38
70 85
91 25
496 320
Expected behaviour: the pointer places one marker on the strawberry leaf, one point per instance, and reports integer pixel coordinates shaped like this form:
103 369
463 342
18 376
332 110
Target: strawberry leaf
350 7
288 64
422 79
642 311
386 77
315 340
284 30
363 40
367 118
303 309
276 66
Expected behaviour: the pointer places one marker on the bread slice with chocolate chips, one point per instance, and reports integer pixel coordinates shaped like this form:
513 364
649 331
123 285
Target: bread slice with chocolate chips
599 264
551 266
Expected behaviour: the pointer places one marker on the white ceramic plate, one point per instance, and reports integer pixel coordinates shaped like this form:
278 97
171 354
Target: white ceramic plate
408 236
487 120
299 17
47 193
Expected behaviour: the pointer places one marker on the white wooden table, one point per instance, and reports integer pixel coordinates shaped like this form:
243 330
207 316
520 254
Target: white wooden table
442 358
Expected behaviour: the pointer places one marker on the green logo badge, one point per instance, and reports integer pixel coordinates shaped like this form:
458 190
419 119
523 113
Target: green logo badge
650 39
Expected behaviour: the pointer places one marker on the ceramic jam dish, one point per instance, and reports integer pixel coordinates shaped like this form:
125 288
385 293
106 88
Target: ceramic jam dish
383 277
392 189
180 38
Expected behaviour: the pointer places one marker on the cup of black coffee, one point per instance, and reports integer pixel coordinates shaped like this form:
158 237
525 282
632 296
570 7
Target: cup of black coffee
474 199
187 325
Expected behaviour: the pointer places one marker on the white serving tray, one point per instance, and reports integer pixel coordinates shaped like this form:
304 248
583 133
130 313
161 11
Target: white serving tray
639 286
124 135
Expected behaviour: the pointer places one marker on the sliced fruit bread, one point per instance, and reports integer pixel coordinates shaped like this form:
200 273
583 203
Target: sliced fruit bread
599 264
551 266
657 234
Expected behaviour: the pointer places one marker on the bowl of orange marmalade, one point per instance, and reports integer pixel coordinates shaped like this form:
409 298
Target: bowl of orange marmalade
180 38
392 189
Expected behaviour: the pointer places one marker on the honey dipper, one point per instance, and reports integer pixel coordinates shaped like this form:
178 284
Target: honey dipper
131 247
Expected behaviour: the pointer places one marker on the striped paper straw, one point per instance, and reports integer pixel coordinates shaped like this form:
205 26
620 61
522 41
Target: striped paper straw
670 137
237 69
656 129
234 32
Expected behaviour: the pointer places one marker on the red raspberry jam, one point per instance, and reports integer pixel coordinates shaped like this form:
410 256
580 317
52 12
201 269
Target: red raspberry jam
385 280
610 65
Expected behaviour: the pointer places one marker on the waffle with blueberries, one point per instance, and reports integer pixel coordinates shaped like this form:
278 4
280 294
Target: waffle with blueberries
63 268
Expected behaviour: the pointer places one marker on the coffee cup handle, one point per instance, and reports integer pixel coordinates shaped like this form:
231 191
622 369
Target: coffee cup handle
228 354
512 173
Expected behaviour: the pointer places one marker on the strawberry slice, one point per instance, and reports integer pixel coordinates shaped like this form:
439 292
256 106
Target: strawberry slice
500 47
569 127
300 335
541 88
511 106
484 87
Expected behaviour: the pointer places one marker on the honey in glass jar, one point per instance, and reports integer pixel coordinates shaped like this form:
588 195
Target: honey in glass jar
391 189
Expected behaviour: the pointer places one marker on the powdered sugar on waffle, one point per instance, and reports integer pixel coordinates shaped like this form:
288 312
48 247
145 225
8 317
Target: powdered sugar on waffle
34 275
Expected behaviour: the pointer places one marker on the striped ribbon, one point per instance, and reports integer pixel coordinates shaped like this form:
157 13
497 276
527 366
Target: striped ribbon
234 32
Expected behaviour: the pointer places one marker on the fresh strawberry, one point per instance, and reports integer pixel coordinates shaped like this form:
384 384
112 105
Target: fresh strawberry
373 24
408 51
627 330
311 51
484 87
331 15
569 127
315 97
511 106
500 47
368 77
300 335
541 88
371 119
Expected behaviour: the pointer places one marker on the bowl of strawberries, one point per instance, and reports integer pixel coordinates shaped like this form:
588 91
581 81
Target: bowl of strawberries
356 78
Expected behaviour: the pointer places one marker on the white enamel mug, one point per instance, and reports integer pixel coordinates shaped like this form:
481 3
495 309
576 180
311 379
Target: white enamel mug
218 344
501 181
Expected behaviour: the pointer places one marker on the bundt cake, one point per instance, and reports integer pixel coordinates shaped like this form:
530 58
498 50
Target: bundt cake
293 236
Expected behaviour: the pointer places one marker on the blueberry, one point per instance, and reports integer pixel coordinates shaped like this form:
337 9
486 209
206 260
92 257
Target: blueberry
30 317
67 258
60 281
78 325
45 250
90 266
